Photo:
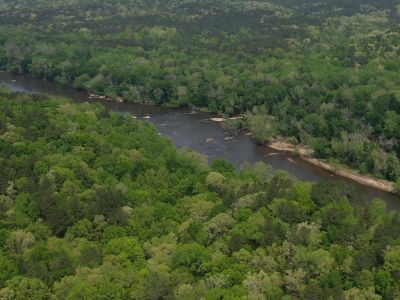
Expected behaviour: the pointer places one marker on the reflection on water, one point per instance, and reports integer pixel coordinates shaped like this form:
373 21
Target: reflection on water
195 130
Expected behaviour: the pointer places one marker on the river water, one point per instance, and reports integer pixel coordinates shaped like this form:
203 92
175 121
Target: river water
195 130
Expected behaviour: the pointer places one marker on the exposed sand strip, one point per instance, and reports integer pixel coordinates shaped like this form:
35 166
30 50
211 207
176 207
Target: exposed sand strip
306 155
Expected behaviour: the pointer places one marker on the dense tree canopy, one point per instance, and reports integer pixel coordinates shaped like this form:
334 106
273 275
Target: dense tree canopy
98 206
322 73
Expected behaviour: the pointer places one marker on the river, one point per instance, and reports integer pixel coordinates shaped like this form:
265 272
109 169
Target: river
195 130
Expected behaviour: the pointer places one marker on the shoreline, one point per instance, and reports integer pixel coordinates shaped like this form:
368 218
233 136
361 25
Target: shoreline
342 171
306 155
278 145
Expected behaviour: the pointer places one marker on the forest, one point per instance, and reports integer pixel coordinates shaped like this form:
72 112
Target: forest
323 74
95 205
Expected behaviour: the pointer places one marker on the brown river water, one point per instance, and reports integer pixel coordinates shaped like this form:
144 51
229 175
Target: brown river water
187 128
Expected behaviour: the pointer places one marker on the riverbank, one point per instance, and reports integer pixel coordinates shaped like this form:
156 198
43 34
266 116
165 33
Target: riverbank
307 155
180 128
340 170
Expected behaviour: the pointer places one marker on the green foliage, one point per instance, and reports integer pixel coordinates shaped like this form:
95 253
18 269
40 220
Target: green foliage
8 269
128 247
325 74
21 288
262 127
233 126
222 166
322 148
96 206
